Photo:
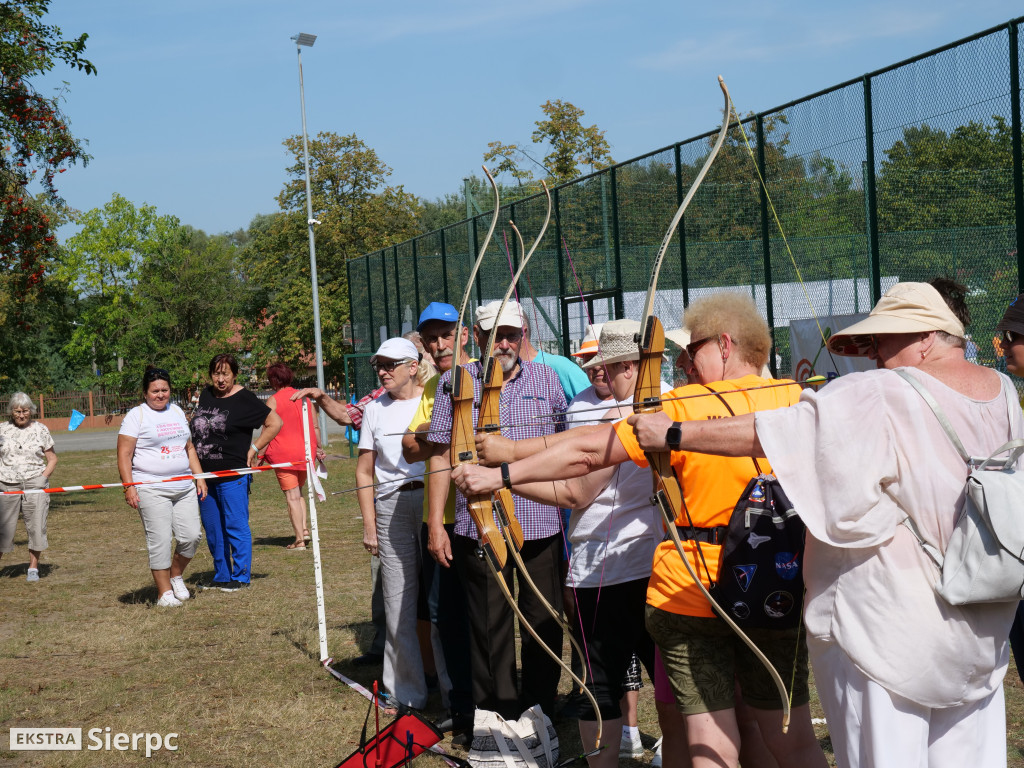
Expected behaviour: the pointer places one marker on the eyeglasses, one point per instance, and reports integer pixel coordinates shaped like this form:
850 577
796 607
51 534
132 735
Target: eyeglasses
1011 336
389 366
511 337
693 346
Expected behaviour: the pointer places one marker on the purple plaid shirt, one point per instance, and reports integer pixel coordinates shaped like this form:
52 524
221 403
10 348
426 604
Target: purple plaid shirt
535 390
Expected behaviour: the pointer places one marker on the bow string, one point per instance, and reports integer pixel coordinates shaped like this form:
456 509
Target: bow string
668 493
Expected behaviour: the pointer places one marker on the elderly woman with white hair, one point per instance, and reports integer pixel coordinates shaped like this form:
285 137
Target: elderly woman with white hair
27 460
905 677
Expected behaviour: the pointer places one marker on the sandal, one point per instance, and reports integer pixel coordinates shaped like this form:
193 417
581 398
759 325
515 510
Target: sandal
296 545
306 538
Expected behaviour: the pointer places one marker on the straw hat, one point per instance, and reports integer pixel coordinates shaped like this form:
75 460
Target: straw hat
617 343
904 308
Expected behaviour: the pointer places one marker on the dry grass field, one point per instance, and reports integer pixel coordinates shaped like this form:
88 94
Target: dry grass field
235 675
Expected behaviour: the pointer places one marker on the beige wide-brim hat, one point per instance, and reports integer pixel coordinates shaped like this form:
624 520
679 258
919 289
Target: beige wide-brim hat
904 308
616 343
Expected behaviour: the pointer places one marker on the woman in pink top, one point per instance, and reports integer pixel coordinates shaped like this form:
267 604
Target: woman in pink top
289 445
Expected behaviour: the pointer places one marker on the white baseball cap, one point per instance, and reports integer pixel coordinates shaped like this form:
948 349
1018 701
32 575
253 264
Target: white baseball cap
511 315
396 349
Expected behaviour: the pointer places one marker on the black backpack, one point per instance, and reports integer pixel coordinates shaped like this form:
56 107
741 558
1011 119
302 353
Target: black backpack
760 572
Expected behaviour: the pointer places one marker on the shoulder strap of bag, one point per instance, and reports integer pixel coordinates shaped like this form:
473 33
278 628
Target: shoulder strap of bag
503 733
732 413
939 413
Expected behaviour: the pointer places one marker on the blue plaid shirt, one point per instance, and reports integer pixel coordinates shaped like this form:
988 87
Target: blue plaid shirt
534 391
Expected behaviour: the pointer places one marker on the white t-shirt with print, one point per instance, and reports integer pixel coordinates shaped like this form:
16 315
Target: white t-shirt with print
613 540
162 436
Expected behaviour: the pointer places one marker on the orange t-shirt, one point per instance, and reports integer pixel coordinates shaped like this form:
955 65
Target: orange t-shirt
711 485
290 444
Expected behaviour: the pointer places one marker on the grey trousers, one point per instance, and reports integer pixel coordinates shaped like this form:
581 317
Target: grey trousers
398 542
34 507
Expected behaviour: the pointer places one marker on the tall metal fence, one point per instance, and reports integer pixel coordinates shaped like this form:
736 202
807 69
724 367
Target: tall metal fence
906 173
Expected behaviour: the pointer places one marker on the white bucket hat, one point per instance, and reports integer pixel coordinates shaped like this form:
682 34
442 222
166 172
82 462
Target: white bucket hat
617 343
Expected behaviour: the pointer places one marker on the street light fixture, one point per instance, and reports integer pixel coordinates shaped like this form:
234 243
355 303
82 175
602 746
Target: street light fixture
304 39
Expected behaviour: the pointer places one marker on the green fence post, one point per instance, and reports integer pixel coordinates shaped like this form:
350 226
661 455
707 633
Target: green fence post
444 267
398 289
416 275
561 266
351 304
387 305
620 306
606 229
371 328
683 268
766 240
1018 172
472 257
874 265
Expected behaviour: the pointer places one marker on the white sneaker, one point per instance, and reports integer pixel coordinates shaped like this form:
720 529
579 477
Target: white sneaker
168 600
656 760
179 588
33 574
631 747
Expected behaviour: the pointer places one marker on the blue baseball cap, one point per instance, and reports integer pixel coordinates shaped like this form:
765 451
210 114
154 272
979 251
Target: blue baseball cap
437 310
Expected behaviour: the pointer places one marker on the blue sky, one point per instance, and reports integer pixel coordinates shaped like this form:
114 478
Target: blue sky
193 99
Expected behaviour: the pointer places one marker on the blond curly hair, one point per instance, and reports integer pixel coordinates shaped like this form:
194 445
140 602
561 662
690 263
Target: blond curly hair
734 313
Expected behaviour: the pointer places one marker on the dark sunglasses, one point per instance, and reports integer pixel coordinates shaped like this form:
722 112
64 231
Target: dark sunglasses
389 366
693 346
1011 336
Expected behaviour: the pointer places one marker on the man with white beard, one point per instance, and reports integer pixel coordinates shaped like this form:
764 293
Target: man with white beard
528 390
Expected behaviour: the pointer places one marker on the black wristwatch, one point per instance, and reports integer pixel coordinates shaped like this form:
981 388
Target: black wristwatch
674 435
505 479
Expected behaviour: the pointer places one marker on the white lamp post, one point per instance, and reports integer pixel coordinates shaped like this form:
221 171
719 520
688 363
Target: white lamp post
303 39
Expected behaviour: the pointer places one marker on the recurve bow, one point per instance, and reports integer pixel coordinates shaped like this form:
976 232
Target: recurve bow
490 421
668 493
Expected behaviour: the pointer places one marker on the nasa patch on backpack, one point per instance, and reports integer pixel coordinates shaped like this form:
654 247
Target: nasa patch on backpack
760 574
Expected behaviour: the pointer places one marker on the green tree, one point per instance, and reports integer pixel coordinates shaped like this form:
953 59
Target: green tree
931 179
358 212
36 143
151 291
570 144
188 298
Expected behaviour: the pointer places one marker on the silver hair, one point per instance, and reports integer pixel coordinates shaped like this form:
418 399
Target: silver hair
21 400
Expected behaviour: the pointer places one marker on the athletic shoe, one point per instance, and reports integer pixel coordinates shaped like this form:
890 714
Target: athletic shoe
631 747
168 600
33 574
179 588
214 585
232 586
656 760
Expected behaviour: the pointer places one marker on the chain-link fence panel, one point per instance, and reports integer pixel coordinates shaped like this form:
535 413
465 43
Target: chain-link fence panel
362 321
944 164
905 174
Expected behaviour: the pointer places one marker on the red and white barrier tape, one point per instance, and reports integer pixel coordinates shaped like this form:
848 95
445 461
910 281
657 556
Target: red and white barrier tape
202 476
